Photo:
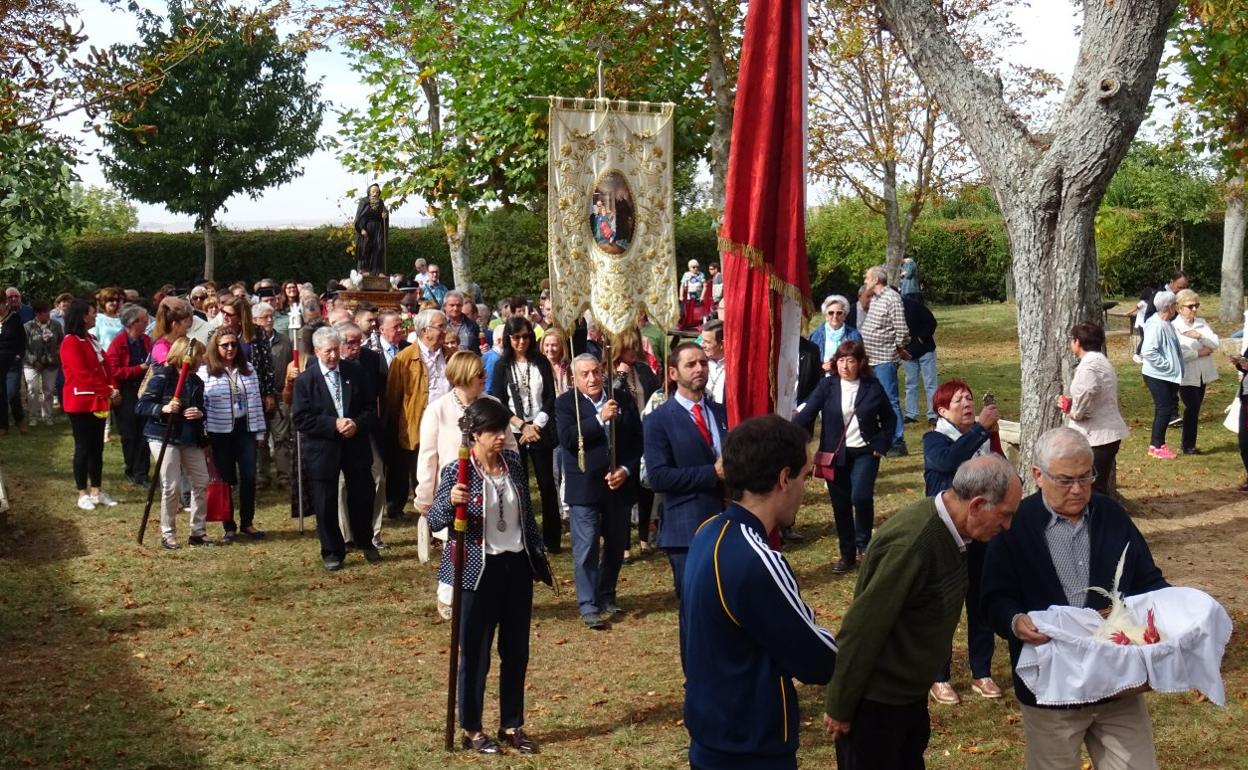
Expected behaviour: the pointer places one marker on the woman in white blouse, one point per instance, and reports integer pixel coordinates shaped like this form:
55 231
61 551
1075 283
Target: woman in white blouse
234 422
1198 342
1092 407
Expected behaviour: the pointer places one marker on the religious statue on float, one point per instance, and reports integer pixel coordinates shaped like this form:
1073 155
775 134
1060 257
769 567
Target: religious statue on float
372 232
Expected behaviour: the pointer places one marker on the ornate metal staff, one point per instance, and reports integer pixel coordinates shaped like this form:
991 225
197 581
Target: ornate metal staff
160 456
458 557
298 455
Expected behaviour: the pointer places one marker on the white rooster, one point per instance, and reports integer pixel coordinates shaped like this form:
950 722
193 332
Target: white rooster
1119 627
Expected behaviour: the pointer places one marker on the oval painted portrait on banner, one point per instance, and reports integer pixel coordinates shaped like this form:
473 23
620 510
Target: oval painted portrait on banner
611 216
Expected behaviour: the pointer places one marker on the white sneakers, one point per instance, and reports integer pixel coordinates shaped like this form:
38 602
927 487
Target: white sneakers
91 502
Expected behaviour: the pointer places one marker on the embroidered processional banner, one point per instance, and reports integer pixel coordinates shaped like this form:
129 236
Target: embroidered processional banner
612 241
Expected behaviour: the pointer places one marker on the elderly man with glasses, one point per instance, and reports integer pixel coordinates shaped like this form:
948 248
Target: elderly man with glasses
1065 539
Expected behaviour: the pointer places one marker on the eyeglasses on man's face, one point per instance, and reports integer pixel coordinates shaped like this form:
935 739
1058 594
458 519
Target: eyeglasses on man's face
1067 482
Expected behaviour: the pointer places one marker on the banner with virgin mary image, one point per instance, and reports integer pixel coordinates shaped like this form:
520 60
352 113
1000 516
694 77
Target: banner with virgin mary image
612 241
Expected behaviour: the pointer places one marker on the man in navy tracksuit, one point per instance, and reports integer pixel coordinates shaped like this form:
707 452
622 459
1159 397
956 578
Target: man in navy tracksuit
748 631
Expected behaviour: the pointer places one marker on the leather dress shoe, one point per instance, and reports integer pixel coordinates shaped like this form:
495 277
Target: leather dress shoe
371 555
520 742
842 566
482 744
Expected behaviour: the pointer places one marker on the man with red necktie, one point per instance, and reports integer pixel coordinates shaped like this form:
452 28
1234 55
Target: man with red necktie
684 442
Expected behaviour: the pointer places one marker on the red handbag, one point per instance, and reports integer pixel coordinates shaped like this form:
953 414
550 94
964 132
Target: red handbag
219 502
825 462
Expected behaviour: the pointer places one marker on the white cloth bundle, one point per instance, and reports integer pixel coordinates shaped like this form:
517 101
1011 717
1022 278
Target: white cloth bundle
1073 668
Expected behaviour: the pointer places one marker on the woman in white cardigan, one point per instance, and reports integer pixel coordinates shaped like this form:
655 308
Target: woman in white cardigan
1198 342
1092 407
234 422
440 438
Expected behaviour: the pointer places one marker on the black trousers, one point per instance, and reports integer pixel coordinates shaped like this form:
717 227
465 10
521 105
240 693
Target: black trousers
11 384
542 461
645 506
134 447
502 601
1105 463
400 481
323 494
1193 396
1164 394
885 737
1243 431
88 448
234 454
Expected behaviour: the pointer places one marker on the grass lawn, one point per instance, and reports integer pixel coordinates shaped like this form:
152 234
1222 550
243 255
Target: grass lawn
121 656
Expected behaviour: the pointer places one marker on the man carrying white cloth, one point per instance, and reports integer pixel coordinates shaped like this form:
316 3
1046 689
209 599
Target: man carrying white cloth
1066 538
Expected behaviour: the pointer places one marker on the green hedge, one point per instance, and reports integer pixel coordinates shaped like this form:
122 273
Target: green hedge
961 260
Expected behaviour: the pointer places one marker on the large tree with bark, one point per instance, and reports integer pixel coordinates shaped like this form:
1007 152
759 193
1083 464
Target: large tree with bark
1048 183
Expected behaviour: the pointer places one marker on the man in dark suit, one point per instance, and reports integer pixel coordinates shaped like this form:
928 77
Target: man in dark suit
371 363
393 341
334 413
684 442
599 494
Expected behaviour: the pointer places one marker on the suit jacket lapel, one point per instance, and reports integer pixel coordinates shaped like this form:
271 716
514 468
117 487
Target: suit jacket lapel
685 416
346 391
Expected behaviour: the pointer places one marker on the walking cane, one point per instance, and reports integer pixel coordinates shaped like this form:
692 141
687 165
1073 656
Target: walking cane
458 557
160 456
298 458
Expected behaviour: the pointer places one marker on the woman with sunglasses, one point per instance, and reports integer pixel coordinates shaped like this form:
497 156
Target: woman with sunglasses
440 437
524 383
833 331
1198 342
234 422
236 313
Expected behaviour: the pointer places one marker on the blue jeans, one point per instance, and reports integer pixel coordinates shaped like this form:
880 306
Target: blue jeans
595 579
887 375
925 367
853 500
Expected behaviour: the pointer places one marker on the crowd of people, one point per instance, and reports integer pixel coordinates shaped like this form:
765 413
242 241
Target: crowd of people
361 410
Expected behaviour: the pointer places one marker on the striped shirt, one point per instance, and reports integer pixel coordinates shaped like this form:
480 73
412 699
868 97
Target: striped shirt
884 329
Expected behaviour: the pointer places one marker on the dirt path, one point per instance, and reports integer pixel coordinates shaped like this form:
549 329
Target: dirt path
1203 549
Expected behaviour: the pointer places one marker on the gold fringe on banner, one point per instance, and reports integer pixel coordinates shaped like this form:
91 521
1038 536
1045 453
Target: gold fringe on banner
754 256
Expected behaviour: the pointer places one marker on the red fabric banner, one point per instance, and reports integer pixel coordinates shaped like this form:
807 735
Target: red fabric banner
763 237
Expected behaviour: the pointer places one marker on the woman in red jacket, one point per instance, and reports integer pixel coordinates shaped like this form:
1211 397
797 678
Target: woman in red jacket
88 393
127 360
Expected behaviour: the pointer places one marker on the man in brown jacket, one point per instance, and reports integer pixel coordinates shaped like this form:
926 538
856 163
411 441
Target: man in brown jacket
417 377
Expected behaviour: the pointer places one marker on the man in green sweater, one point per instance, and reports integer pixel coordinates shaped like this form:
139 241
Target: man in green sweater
898 632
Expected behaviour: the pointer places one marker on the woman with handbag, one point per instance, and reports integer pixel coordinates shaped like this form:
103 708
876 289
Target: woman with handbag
235 422
504 555
86 398
959 436
184 455
525 384
858 425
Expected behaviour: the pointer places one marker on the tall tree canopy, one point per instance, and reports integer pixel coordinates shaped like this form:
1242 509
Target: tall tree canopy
1049 183
449 119
234 118
1211 52
876 131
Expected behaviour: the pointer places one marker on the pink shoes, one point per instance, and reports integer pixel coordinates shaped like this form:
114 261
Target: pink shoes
1161 452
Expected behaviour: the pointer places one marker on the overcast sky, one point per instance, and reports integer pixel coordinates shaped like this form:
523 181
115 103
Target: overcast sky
319 195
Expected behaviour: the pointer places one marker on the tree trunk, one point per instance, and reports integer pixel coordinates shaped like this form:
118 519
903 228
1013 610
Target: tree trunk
457 244
895 250
210 257
1233 251
723 95
1049 185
